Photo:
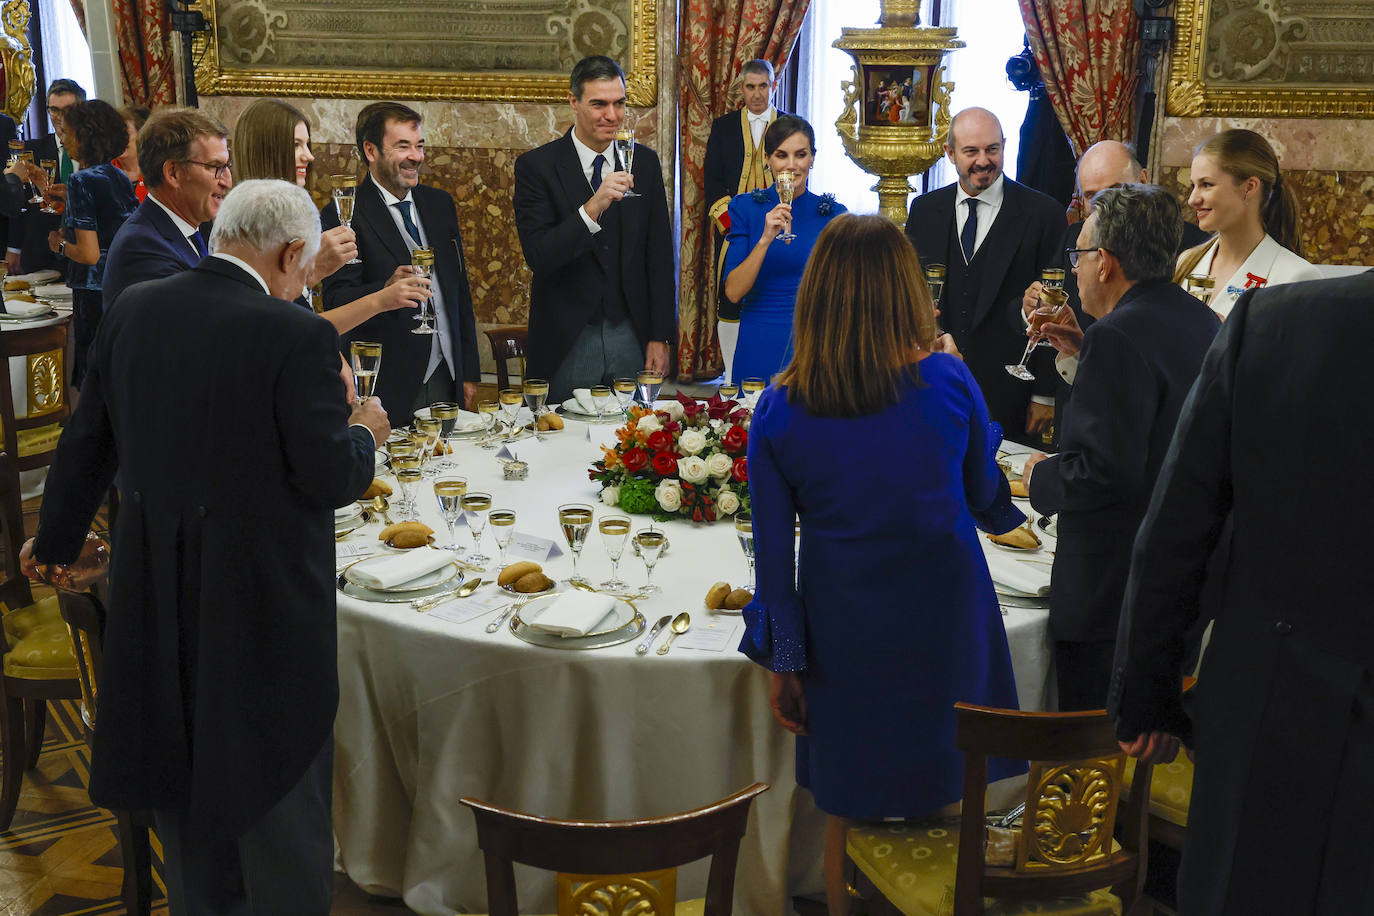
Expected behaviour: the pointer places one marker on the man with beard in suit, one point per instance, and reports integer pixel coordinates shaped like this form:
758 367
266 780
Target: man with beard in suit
393 214
994 236
602 304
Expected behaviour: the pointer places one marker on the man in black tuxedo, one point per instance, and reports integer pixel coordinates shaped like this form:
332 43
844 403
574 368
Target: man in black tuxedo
222 404
735 165
393 214
27 233
602 303
1282 718
1137 363
994 236
183 154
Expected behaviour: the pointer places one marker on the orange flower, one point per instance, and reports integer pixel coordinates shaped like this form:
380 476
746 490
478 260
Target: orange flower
611 457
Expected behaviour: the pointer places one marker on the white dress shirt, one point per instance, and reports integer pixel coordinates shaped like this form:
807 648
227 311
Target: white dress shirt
758 123
989 205
587 156
245 266
185 228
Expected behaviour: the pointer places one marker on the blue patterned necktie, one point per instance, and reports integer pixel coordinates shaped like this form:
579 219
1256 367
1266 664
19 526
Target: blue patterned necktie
198 243
969 236
597 163
411 229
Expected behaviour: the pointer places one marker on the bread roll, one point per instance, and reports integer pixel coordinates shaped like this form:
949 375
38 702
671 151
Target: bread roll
20 297
737 599
532 582
715 597
411 537
1018 488
514 571
378 487
12 285
392 532
548 422
1022 538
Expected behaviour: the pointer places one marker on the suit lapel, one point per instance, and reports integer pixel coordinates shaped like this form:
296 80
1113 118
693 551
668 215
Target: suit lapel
158 218
994 256
377 219
569 169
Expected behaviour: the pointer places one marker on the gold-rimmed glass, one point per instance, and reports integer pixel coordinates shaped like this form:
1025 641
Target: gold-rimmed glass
649 383
27 156
344 193
624 390
1200 287
536 392
16 151
575 519
422 259
625 148
601 397
785 183
409 479
49 167
1051 299
744 530
502 523
488 410
615 531
449 492
446 412
430 428
752 388
511 399
367 362
476 507
649 543
729 392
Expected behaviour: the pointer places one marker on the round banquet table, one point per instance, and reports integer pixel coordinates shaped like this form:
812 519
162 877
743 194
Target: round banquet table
430 711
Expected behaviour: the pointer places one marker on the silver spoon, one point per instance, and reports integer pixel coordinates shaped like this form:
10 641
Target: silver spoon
432 601
681 624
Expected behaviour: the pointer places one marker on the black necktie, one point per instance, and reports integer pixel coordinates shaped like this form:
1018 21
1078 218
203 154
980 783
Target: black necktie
597 163
411 229
969 236
197 243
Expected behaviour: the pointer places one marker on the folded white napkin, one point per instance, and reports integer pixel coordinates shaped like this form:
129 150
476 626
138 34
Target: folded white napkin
573 614
583 397
467 421
1012 573
389 572
37 277
26 309
53 291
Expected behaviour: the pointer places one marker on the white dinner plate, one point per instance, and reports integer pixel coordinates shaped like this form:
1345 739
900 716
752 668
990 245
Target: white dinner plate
631 628
443 575
571 407
344 513
53 291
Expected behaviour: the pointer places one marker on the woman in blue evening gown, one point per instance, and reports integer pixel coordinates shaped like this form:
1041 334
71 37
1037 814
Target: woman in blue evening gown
761 272
884 451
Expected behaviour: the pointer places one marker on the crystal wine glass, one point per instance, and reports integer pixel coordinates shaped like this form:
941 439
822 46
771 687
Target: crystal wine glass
649 383
1050 301
575 519
650 543
344 195
744 530
449 491
601 396
431 428
502 523
625 148
624 390
476 506
446 412
785 182
49 167
615 531
367 362
422 259
409 479
488 410
536 392
753 388
728 392
511 399
1051 278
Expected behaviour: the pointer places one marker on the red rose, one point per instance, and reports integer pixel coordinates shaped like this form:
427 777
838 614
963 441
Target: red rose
740 470
665 465
659 441
735 439
672 426
634 459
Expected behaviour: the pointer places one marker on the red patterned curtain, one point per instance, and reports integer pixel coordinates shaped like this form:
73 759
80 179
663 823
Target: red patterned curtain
143 33
1087 52
79 11
716 37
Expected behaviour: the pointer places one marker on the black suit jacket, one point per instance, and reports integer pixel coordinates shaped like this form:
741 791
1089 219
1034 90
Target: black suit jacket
147 247
1288 679
1134 371
405 355
224 411
1022 241
28 229
562 253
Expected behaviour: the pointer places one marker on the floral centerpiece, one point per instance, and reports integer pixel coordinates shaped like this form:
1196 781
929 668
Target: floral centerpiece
683 459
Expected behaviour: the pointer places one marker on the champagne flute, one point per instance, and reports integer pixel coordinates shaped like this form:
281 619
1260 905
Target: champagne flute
575 520
49 167
625 148
37 198
649 383
536 392
446 412
430 428
502 529
649 543
409 479
615 531
475 509
16 150
449 491
1050 301
367 362
405 457
422 259
487 411
624 390
785 182
744 530
935 282
753 388
601 396
1200 287
344 195
1051 278
511 399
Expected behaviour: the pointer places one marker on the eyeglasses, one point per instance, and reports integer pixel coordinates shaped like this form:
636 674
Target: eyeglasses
219 168
1073 253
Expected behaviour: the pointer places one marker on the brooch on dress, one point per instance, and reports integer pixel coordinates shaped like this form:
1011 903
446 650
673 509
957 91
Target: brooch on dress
760 195
826 205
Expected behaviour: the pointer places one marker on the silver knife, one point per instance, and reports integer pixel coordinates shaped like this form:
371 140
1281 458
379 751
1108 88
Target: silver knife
510 609
643 648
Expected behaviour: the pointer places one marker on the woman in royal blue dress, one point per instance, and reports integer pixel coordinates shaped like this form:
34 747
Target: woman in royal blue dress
884 451
762 271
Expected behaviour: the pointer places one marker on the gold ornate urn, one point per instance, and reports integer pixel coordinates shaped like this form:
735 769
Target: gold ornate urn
16 60
897 112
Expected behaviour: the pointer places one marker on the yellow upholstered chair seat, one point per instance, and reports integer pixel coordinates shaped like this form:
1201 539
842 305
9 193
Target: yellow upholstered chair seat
913 865
1171 790
40 643
695 907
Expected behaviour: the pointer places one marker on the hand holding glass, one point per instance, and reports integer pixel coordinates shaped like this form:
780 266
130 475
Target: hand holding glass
1051 299
367 362
785 183
422 259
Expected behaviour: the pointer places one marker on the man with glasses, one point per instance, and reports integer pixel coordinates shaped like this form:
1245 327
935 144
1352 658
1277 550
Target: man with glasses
393 214
27 234
1137 363
184 156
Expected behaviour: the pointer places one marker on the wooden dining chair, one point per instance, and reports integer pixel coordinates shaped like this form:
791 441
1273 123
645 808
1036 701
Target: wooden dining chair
1062 858
506 344
85 617
608 867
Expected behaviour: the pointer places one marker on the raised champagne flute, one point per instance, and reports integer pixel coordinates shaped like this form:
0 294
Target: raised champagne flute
344 195
649 382
625 149
935 281
446 412
601 397
1050 301
37 198
624 391
786 183
367 362
502 523
409 479
615 531
744 530
1200 287
449 491
576 520
16 150
422 259
649 542
536 392
1051 278
49 167
476 506
431 428
511 399
752 389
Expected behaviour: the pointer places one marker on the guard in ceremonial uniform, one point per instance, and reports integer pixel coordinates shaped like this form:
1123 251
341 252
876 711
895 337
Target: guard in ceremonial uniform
735 165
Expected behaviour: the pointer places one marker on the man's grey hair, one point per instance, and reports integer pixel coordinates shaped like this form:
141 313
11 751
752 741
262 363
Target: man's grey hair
759 66
1142 225
266 213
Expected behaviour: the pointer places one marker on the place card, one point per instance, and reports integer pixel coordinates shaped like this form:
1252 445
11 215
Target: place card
520 448
717 635
356 550
602 436
525 546
461 610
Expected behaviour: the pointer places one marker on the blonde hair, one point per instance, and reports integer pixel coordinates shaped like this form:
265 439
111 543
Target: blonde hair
862 311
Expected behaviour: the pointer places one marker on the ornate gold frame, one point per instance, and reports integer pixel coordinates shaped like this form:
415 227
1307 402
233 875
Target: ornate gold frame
1189 95
641 76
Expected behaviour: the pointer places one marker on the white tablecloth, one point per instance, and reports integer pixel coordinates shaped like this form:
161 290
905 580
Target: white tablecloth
431 711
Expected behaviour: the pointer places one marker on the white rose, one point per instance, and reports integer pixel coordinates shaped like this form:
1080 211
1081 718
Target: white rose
669 495
611 496
691 442
649 423
717 426
719 465
727 503
692 469
673 409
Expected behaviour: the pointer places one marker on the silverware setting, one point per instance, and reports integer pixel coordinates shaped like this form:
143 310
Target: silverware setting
643 648
505 615
429 602
681 624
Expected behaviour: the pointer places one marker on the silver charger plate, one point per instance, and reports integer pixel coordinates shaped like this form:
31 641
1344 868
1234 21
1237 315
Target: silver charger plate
1025 601
348 526
573 409
1048 524
354 590
611 637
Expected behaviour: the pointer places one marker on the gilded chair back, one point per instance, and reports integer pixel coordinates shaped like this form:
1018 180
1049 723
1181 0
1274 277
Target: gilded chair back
30 441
